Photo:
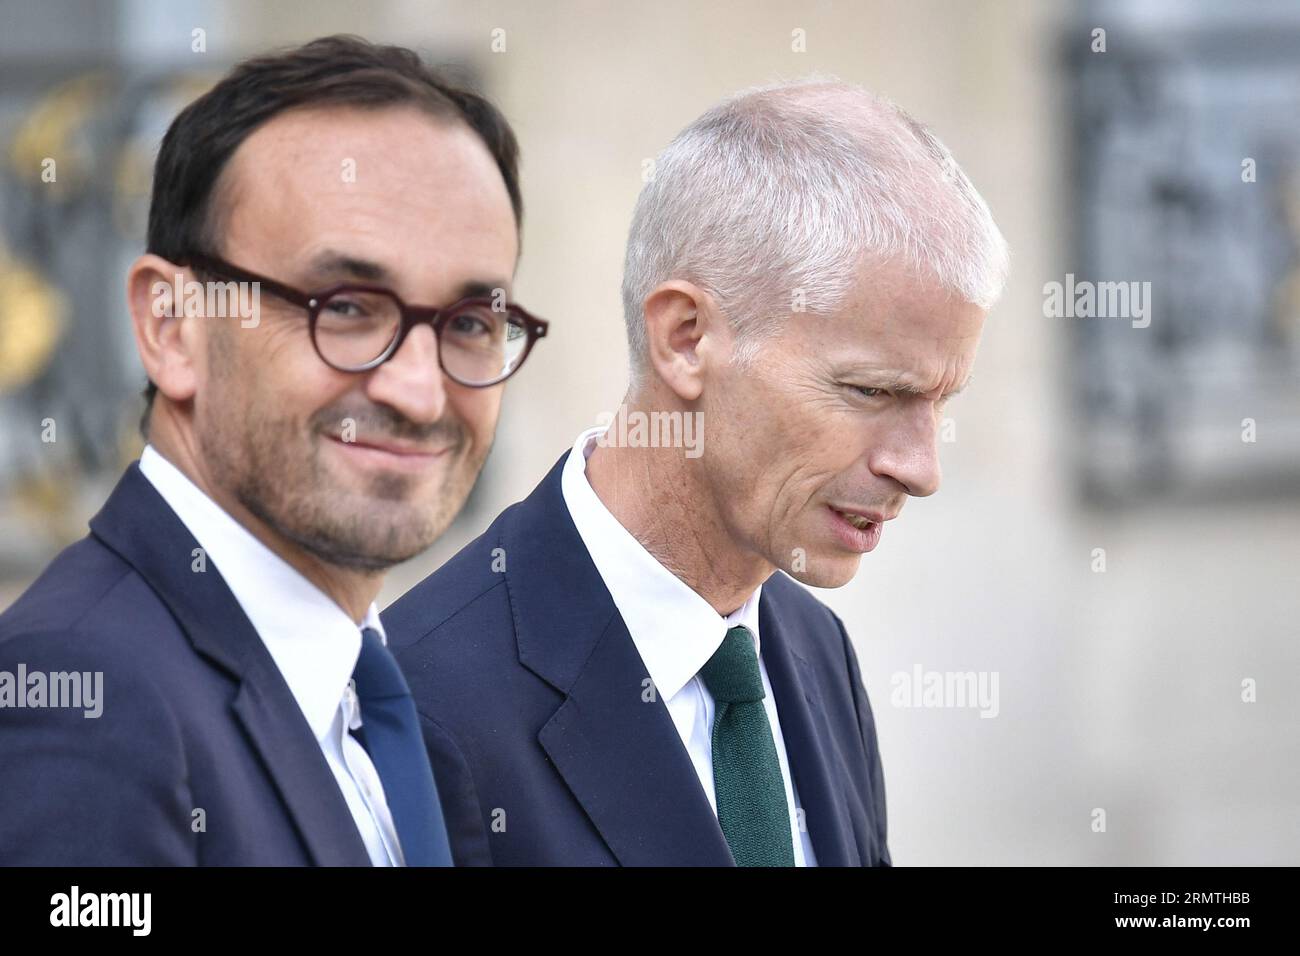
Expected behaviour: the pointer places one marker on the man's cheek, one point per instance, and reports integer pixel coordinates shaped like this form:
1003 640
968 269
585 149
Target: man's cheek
481 422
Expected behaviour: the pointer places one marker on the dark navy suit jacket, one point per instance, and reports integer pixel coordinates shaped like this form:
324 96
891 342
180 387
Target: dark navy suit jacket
196 716
546 751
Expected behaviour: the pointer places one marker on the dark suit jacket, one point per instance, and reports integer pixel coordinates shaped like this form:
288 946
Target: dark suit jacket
531 694
196 716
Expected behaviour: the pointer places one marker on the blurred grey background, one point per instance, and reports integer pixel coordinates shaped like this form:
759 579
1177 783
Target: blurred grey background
1118 535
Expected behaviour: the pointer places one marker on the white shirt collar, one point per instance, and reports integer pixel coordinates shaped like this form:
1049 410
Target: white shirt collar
311 639
675 630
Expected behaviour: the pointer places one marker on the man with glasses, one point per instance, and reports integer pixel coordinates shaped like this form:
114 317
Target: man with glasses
251 712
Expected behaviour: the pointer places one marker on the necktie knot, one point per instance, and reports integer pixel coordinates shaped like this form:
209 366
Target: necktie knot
377 674
731 674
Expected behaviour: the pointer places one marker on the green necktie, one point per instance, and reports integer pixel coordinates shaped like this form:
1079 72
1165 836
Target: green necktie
747 777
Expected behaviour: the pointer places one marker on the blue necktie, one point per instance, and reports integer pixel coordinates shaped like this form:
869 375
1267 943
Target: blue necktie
391 735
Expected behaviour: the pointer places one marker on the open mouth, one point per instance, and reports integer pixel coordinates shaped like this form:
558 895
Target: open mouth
857 532
859 522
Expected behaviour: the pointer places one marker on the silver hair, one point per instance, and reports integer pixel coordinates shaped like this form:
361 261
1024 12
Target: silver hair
773 200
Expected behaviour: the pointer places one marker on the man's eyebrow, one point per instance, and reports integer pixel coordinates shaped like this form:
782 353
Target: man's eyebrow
480 287
904 388
331 265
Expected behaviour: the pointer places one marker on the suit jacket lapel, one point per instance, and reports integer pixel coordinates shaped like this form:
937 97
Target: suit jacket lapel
620 755
611 740
803 725
139 526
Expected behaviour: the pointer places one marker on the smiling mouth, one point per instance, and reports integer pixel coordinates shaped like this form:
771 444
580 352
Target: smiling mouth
413 452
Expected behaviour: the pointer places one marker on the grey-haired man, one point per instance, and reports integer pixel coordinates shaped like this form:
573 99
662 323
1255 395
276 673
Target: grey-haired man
621 670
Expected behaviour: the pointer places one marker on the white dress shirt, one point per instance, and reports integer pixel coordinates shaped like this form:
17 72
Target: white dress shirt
312 640
674 629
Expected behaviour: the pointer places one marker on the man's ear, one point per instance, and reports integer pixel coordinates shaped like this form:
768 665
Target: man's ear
165 338
684 331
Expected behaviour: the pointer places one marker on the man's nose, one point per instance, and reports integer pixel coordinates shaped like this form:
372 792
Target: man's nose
910 453
411 382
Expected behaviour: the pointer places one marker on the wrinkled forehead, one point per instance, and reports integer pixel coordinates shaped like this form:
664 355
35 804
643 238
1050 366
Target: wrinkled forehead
899 321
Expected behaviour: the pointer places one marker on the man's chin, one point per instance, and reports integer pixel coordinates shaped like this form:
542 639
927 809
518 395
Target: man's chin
365 556
360 531
825 571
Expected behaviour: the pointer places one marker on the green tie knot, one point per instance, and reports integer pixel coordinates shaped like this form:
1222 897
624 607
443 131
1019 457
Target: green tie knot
731 674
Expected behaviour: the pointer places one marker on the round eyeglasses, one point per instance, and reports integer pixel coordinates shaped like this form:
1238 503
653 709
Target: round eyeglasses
482 340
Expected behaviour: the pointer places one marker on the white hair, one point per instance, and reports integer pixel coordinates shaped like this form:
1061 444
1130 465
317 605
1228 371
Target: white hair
773 200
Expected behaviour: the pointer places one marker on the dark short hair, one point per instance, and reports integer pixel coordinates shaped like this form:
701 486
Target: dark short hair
340 70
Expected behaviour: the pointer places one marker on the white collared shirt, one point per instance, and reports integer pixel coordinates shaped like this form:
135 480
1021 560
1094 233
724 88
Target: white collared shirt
312 640
674 629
